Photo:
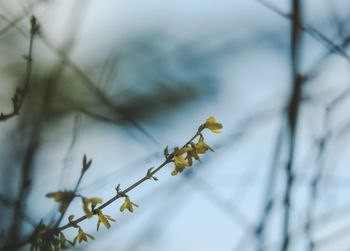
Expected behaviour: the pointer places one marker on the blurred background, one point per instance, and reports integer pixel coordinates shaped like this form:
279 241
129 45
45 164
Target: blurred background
121 80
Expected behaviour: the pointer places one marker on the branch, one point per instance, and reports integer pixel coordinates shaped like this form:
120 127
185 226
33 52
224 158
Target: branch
313 32
20 93
89 83
260 228
86 166
24 172
315 186
15 21
293 114
44 236
123 193
9 203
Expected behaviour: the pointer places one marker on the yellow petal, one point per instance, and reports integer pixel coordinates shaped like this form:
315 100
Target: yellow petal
86 209
130 208
104 219
57 196
122 208
180 161
95 201
183 150
128 204
189 159
212 125
98 224
105 222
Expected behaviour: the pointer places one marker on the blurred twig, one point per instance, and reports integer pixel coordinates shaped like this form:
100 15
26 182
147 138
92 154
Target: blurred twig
309 226
24 174
268 194
95 88
18 98
86 165
8 203
36 130
15 21
240 218
313 32
319 222
293 114
89 83
76 126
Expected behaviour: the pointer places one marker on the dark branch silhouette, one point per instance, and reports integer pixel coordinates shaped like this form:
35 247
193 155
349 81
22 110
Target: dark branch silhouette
293 115
20 93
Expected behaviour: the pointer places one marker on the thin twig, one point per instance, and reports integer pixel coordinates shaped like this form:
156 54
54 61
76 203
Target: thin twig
125 191
58 222
226 206
321 221
33 145
259 230
20 93
76 125
320 165
313 32
16 20
120 194
8 203
24 174
89 83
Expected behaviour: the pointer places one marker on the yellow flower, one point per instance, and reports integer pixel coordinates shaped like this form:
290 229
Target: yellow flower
182 150
104 219
192 154
82 236
86 202
212 125
179 160
202 147
63 197
128 204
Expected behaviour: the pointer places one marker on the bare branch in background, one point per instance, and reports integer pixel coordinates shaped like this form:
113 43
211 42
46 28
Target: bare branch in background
292 118
312 31
8 203
15 21
18 98
269 200
33 145
314 185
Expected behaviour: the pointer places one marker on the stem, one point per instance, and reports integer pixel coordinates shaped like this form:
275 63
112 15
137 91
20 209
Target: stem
293 114
17 104
20 93
71 199
73 223
125 191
